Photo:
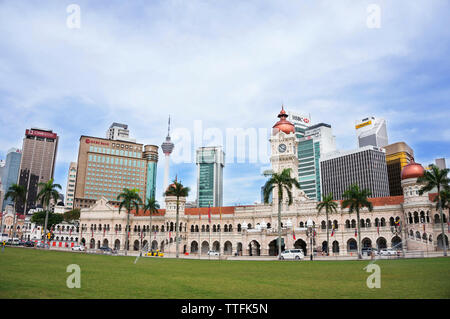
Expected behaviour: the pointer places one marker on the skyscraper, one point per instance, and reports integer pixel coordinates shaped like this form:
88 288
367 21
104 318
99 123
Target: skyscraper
371 131
37 164
210 163
70 188
119 132
398 155
167 148
105 167
317 141
10 172
365 167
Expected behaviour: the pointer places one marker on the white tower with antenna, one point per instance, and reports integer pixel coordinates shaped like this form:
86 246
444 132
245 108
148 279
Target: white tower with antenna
167 148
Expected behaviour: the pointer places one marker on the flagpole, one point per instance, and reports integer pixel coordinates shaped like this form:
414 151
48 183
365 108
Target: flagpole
209 220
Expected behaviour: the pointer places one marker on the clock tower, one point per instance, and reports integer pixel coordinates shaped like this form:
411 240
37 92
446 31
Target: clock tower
284 145
284 148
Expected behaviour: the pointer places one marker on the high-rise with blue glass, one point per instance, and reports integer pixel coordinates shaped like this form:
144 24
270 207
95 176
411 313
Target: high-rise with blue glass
317 140
210 163
10 172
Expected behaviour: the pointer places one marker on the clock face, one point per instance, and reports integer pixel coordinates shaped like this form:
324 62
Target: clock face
282 148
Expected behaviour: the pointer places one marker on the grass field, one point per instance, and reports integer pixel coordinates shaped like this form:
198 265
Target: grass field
30 273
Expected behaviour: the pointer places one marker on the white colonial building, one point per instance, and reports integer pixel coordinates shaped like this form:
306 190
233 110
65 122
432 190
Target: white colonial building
252 230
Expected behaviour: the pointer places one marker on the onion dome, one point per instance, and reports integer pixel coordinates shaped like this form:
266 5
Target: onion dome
412 170
283 125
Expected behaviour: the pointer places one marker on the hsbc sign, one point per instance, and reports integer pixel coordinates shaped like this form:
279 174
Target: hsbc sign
299 119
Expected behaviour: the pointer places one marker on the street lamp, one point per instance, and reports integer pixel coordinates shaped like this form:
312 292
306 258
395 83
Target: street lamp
310 225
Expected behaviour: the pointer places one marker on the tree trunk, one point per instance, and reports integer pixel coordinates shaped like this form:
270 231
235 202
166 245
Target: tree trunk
359 234
45 226
444 246
279 227
177 227
328 238
14 222
126 231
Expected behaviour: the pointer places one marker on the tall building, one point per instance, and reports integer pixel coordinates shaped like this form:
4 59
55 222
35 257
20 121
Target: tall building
167 148
210 163
105 167
10 172
365 167
317 141
37 164
398 155
119 132
70 189
440 162
371 131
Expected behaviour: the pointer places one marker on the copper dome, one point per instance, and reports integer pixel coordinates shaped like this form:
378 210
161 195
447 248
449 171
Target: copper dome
412 170
283 124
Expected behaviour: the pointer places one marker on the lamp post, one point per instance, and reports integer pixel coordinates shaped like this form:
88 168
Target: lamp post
310 225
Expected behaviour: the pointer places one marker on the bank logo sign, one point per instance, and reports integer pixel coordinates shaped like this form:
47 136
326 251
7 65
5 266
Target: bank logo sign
363 124
299 119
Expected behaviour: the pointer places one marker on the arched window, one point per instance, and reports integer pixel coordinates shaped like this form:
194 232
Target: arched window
353 223
239 228
203 228
383 222
301 225
207 228
230 228
437 219
192 228
347 224
410 220
422 217
196 228
214 228
249 226
363 223
336 225
368 224
391 221
225 228
416 217
323 224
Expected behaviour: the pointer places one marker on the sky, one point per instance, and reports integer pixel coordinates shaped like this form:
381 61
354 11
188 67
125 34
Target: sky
228 64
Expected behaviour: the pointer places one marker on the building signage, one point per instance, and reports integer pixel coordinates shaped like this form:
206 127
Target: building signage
296 118
89 141
363 124
40 133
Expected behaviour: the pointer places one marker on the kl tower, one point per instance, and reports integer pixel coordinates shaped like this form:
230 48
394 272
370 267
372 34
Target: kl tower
167 148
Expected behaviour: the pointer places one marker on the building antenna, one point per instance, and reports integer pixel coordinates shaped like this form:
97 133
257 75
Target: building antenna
168 129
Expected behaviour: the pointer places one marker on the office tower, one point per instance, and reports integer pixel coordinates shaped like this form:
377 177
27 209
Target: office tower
398 155
440 162
301 122
151 156
317 141
365 167
119 132
70 189
10 172
371 131
37 164
210 163
105 167
167 148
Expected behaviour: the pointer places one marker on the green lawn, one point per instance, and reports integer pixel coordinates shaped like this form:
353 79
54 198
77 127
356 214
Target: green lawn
30 273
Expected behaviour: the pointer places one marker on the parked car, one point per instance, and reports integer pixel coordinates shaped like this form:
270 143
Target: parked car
29 244
388 252
367 251
106 250
295 254
213 253
13 241
78 248
42 245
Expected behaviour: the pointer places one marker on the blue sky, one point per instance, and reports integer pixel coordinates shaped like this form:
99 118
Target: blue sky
228 63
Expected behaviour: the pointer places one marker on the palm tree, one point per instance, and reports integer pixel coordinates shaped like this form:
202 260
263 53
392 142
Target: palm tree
436 178
18 194
178 190
330 207
355 199
48 192
280 181
152 207
129 198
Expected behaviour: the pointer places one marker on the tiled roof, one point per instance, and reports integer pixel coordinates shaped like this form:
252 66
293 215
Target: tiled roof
383 201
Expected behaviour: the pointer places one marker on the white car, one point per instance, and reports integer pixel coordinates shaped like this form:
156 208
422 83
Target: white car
213 253
388 252
295 254
78 248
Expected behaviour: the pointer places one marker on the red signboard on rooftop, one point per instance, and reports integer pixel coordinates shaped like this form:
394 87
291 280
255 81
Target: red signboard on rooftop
40 133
